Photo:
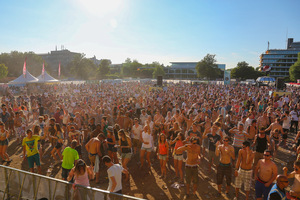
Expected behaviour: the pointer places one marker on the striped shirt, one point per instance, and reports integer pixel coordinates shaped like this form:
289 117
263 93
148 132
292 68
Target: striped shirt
239 138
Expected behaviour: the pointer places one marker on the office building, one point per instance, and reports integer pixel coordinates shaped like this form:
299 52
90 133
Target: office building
280 60
184 70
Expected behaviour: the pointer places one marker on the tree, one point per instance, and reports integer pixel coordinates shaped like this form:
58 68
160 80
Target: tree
244 71
81 67
103 68
3 71
295 70
130 68
158 70
15 60
207 67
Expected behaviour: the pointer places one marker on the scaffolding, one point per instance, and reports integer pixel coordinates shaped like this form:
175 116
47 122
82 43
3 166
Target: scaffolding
17 184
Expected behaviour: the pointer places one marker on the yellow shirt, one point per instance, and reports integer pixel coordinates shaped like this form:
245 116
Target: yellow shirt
31 145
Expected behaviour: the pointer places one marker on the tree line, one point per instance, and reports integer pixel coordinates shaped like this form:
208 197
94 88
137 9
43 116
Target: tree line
83 68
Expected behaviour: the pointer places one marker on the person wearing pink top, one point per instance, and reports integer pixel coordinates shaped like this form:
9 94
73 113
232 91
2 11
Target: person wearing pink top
81 173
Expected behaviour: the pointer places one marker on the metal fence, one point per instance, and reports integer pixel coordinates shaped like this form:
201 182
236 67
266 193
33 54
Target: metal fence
19 184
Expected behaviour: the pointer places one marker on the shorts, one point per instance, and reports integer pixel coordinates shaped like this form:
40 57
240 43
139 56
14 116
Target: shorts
136 143
212 156
92 158
191 172
78 149
65 173
146 149
286 131
236 151
4 142
284 136
126 155
162 157
34 159
261 189
112 148
244 176
178 157
224 170
58 145
205 142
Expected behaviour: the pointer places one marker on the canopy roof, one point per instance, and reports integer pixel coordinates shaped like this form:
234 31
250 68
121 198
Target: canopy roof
46 78
27 79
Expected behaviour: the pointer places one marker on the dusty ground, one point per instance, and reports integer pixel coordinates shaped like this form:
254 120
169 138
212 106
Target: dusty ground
143 183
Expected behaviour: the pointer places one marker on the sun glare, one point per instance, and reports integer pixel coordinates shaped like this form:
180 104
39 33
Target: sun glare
101 8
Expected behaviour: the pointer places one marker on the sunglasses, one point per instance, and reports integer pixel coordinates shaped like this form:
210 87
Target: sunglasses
267 155
225 140
284 181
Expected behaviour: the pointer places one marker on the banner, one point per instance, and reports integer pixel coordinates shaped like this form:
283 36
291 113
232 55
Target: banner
226 77
24 68
59 69
43 70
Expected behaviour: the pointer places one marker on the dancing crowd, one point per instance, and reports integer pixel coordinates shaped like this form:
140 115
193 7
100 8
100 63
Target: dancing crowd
238 129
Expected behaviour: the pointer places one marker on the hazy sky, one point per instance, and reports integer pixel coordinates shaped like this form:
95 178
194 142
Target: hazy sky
151 30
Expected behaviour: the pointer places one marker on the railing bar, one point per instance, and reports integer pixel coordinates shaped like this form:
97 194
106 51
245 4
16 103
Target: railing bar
7 183
54 190
37 188
22 186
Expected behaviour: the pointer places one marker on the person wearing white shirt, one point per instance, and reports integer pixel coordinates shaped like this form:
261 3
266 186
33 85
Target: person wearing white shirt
294 122
146 145
114 173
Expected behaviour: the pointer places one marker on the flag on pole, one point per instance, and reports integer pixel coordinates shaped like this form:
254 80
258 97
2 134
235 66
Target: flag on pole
59 70
43 70
24 68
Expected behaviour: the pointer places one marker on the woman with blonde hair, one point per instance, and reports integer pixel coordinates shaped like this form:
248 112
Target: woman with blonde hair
146 145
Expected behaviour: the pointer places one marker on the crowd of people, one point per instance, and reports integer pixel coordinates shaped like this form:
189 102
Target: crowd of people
238 129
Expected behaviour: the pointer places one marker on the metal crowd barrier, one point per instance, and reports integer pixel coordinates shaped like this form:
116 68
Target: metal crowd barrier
17 184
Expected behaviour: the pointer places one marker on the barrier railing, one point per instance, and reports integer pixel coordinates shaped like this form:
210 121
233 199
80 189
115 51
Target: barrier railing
19 184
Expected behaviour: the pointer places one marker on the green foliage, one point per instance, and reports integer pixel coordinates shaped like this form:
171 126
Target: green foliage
244 71
15 61
81 67
207 68
3 71
295 70
158 70
130 68
103 68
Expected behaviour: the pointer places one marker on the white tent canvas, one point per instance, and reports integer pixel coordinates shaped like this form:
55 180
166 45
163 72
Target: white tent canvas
46 78
22 80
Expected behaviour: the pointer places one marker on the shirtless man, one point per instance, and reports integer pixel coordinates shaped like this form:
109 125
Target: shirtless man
265 173
226 153
93 148
191 166
263 121
243 169
275 125
252 131
295 188
127 122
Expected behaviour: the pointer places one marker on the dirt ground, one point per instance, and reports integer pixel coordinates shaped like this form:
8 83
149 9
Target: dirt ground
144 183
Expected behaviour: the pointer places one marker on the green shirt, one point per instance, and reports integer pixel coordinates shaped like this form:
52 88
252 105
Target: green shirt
69 157
31 145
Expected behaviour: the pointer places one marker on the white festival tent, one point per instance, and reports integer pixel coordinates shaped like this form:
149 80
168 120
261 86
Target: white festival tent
46 78
23 80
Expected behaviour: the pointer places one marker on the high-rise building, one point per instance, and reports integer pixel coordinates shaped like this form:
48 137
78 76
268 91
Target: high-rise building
280 60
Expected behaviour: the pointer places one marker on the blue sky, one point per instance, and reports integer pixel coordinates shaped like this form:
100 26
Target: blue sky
151 30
